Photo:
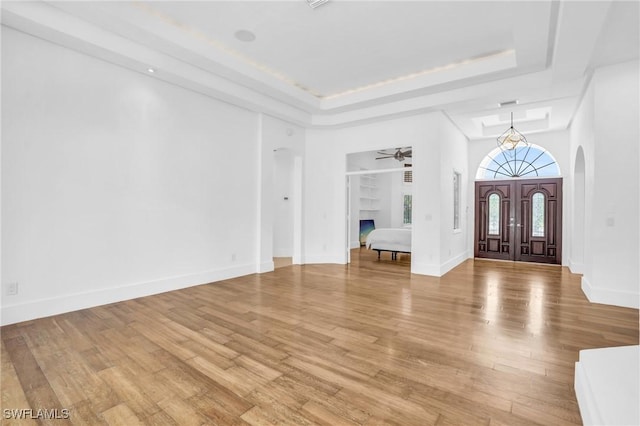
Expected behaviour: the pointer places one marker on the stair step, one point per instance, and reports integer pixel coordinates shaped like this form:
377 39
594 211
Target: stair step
607 385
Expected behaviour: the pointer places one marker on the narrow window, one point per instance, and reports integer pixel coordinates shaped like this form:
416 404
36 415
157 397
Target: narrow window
456 200
494 214
406 217
537 215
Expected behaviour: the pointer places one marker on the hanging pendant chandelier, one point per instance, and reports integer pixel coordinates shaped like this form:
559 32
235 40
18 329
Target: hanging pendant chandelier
511 138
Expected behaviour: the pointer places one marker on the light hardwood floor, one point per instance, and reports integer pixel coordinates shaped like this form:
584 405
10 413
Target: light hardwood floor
281 262
488 343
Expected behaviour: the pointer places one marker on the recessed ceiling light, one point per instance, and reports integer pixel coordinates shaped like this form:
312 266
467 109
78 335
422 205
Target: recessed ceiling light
245 35
151 70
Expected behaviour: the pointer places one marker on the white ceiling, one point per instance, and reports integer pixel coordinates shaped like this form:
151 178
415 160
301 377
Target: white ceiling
354 61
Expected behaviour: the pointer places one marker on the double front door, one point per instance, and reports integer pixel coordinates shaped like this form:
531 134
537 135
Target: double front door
519 220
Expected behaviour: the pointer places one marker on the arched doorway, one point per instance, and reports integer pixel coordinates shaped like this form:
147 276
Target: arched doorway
518 206
287 207
578 219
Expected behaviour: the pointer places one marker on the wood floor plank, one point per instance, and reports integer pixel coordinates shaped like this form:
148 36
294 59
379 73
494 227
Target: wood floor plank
13 396
128 390
83 413
323 416
37 389
489 343
121 415
219 411
182 412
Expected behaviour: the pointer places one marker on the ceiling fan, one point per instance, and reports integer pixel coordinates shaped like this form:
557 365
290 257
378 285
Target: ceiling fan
399 155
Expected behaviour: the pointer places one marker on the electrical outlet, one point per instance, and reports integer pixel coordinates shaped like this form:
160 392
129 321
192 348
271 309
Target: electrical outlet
12 289
233 257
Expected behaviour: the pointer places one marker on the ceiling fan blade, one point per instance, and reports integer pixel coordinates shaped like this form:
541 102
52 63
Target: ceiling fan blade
388 156
407 153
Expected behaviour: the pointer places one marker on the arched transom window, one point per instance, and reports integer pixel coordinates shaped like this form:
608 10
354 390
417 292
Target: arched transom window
529 162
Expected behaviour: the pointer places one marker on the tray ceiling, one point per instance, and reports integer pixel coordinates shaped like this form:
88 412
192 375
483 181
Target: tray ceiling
354 61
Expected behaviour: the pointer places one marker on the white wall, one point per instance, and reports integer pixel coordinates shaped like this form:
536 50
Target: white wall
454 246
384 183
581 137
325 208
116 185
606 127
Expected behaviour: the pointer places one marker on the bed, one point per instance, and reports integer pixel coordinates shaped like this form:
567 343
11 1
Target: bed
394 240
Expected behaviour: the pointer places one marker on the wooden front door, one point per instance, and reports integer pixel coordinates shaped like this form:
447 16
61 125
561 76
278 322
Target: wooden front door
519 220
539 221
494 219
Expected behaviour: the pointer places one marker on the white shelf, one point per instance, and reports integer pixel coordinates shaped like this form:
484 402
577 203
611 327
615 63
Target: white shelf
369 201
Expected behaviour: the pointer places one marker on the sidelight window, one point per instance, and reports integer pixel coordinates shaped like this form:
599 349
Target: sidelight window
406 209
456 200
537 215
494 214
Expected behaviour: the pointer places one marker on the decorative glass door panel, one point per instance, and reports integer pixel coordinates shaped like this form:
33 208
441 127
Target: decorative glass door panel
494 209
539 221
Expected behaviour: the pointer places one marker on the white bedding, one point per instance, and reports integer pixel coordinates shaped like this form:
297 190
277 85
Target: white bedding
390 239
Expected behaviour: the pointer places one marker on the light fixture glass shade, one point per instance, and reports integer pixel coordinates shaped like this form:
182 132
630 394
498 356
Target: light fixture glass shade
511 138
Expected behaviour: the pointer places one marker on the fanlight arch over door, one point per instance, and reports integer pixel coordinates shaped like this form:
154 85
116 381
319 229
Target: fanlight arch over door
529 162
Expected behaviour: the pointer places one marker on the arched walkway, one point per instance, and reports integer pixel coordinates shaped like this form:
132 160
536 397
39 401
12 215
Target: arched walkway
578 220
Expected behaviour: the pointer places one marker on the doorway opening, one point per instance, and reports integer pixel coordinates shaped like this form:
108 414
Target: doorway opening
287 208
379 205
518 206
578 232
519 220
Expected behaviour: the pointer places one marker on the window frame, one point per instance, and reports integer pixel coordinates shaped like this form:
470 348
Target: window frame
489 214
457 201
404 209
534 198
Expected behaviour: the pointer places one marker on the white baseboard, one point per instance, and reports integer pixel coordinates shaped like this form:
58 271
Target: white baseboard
324 258
72 302
576 267
453 262
584 395
610 297
435 270
425 269
355 244
607 386
266 267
